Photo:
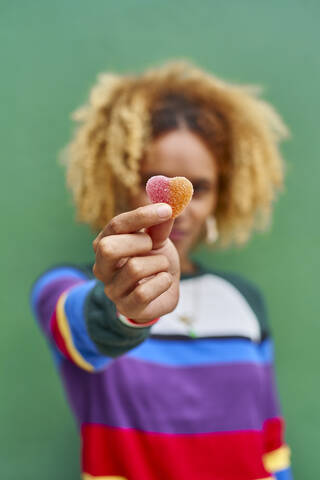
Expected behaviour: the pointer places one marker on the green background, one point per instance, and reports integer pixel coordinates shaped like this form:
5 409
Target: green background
51 53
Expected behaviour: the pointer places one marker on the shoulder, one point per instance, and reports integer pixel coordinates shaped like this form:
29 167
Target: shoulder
58 270
250 291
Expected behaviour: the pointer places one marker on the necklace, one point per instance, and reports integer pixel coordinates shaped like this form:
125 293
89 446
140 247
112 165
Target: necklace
189 322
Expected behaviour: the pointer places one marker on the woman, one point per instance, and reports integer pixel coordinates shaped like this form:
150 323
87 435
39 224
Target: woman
168 364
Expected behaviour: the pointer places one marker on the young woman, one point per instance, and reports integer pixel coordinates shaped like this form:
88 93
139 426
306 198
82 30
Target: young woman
168 364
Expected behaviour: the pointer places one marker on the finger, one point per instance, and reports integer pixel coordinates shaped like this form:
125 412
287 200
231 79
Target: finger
148 291
115 248
160 233
141 217
136 270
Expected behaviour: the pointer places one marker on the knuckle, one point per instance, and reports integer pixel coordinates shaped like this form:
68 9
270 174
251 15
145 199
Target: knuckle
140 215
147 239
134 268
165 261
166 278
106 248
140 295
114 226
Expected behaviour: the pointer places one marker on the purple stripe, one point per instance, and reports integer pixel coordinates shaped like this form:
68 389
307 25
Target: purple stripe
49 276
49 297
132 393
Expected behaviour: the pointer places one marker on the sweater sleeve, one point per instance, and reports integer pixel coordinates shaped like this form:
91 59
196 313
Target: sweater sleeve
276 457
79 321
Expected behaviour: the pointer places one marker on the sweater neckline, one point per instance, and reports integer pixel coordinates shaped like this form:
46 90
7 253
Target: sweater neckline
201 270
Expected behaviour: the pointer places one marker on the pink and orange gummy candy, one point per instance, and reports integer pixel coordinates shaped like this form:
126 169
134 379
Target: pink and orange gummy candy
176 191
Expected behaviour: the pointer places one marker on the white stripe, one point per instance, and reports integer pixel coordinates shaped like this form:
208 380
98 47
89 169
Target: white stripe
220 309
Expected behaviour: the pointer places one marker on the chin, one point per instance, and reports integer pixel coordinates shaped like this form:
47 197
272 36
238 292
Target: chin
182 247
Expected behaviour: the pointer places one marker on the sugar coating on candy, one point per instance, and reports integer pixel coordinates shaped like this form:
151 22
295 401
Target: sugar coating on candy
181 191
157 189
176 191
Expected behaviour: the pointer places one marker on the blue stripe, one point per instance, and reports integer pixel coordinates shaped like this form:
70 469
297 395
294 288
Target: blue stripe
74 310
284 474
50 275
203 351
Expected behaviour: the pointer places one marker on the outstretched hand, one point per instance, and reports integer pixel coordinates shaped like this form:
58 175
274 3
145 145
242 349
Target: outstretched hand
138 263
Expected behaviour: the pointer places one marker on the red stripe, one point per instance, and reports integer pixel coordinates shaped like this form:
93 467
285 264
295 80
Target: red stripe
138 455
273 434
58 337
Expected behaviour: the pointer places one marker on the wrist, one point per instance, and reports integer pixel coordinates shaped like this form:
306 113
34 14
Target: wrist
135 323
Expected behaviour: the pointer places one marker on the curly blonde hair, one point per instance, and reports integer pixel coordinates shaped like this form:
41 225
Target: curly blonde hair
122 116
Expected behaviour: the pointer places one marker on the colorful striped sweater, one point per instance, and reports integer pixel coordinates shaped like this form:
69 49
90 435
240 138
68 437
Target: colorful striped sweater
171 401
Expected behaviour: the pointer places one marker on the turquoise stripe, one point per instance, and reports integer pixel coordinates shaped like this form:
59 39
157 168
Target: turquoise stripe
49 276
203 351
74 310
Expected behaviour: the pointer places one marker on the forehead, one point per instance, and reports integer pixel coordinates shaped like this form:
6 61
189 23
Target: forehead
180 153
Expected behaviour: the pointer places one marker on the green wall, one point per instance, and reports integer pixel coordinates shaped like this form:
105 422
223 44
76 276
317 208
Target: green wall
51 54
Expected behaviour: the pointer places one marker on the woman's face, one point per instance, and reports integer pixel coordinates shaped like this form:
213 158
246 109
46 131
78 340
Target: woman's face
183 153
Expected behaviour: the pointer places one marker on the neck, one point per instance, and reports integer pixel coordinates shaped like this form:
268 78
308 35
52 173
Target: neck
187 266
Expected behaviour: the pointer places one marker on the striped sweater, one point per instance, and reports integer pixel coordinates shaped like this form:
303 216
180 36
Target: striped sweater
179 400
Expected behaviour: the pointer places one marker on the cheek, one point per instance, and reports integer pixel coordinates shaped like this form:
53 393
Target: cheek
201 208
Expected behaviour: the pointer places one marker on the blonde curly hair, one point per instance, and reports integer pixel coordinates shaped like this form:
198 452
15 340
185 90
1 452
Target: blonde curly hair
116 125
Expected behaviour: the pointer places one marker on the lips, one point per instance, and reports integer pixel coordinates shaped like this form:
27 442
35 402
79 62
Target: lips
177 234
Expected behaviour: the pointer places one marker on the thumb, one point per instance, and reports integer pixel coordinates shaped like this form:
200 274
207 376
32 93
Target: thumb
159 233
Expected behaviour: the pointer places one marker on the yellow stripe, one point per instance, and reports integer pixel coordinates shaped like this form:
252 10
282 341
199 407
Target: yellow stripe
86 476
66 334
277 459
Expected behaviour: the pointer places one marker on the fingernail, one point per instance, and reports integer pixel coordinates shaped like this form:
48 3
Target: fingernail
164 211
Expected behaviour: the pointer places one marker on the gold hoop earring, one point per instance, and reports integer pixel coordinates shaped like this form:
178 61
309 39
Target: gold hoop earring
212 230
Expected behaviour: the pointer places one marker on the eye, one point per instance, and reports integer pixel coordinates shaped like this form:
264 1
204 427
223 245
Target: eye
200 188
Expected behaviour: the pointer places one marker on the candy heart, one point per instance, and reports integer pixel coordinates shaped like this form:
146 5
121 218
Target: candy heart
176 191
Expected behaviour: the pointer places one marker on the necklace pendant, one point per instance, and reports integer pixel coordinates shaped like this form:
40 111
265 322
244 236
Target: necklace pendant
186 319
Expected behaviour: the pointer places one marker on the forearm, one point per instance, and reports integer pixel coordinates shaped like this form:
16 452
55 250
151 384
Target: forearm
79 319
